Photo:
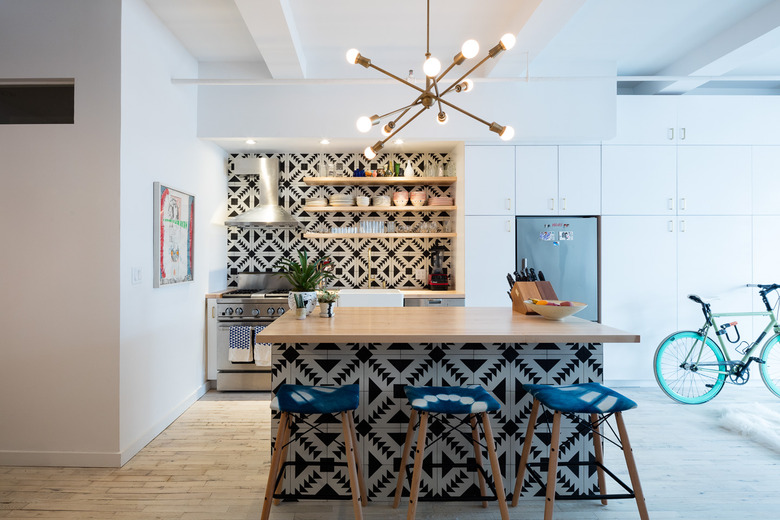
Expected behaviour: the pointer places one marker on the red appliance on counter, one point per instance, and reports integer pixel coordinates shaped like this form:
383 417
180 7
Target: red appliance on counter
438 278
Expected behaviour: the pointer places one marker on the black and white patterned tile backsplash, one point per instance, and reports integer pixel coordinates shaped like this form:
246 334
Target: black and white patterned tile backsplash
393 260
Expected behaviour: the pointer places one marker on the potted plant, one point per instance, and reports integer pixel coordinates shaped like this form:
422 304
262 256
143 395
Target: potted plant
304 276
327 301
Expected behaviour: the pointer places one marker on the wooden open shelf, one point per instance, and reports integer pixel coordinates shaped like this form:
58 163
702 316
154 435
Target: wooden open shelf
379 235
380 181
366 209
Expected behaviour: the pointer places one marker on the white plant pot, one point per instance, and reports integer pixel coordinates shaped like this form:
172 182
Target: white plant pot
309 300
300 314
326 309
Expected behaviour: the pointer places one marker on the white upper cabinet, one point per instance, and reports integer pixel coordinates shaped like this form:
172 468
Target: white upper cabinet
558 180
716 120
638 180
579 180
713 180
646 120
766 180
536 181
490 180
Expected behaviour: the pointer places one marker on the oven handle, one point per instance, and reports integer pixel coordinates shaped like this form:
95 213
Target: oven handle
248 323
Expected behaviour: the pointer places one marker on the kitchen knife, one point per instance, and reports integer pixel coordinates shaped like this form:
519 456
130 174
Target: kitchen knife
518 277
533 275
510 280
541 276
510 297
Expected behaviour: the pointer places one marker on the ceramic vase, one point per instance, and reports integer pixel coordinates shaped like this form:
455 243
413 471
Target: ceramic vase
326 309
309 300
301 313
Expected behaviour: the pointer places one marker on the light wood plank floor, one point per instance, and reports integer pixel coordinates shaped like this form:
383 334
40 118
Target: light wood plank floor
211 464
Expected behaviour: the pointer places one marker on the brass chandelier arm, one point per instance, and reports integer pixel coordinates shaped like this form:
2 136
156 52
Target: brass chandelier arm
463 111
405 109
403 125
472 69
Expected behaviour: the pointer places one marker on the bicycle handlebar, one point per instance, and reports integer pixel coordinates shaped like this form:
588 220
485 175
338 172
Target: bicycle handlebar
764 287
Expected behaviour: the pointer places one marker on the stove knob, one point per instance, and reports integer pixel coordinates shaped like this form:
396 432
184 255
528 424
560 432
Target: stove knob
280 311
270 311
239 311
229 311
255 312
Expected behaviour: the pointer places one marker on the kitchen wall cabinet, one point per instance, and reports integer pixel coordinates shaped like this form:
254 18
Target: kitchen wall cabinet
558 180
766 180
714 180
639 180
489 182
489 255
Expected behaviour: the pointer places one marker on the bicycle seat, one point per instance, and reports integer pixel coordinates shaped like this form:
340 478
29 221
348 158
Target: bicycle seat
696 299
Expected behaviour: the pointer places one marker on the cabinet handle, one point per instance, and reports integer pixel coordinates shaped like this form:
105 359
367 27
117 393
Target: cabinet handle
563 204
682 226
508 226
671 204
508 203
213 312
670 134
682 204
552 204
682 134
671 226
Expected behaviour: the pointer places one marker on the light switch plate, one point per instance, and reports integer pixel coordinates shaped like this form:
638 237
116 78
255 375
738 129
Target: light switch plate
136 275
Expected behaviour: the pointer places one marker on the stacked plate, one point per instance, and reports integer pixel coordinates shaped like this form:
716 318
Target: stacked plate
440 201
342 200
317 202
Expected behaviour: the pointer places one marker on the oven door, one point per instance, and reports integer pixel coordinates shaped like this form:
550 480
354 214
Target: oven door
223 345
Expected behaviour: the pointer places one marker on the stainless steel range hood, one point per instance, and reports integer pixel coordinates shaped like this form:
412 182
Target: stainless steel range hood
267 213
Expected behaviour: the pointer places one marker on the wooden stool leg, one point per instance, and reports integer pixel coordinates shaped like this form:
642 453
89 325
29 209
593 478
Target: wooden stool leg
274 469
552 467
477 455
358 464
529 439
404 457
414 489
594 424
349 449
496 467
631 465
284 443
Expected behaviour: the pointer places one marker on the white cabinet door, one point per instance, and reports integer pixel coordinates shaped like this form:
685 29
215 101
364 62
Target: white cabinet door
766 180
766 252
211 339
714 259
579 180
638 180
646 120
716 120
638 291
713 180
489 256
490 180
536 180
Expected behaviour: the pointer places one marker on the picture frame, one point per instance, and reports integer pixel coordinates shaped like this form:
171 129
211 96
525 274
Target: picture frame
174 234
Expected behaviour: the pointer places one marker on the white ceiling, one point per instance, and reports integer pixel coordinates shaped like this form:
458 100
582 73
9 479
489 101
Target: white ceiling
641 40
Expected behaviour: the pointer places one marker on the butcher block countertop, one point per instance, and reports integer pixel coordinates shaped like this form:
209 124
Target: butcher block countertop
438 324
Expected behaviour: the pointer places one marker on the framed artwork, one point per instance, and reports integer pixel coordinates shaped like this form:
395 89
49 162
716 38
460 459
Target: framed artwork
174 227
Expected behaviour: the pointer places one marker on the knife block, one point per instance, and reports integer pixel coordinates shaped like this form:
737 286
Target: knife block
522 291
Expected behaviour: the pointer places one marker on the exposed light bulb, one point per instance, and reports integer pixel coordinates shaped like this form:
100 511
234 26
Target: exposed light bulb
387 130
442 118
507 134
469 49
431 67
363 124
352 56
465 86
369 153
508 41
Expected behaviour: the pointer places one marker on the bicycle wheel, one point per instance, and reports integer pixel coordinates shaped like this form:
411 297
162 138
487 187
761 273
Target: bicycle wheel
688 369
770 366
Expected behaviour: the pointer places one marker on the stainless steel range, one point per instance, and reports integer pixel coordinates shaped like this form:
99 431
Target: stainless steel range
259 299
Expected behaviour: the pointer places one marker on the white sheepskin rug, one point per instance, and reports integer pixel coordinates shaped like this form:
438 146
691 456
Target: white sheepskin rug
753 421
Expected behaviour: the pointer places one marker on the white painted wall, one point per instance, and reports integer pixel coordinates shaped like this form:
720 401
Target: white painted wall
59 202
162 350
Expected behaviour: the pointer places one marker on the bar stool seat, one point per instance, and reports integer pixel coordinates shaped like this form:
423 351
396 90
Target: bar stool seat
302 400
472 401
600 403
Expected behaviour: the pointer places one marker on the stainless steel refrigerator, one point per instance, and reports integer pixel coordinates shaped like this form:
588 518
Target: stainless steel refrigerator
566 251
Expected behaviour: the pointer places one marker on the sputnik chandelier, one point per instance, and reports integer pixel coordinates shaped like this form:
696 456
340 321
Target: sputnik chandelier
431 96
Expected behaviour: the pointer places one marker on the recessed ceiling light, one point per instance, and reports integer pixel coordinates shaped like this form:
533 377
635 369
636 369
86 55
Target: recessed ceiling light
251 141
399 141
324 141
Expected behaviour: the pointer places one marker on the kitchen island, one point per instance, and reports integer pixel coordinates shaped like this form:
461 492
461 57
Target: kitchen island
384 349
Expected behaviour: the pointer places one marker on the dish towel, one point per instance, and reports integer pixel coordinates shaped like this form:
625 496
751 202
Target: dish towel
240 350
262 350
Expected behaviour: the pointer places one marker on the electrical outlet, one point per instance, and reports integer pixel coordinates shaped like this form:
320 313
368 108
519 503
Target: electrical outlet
420 275
136 276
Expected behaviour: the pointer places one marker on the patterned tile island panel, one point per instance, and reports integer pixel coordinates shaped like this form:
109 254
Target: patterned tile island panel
383 369
394 260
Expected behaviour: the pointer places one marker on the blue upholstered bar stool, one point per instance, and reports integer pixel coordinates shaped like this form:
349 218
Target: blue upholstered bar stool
301 400
473 402
600 403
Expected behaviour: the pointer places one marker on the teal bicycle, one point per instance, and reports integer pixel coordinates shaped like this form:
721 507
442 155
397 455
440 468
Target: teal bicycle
692 368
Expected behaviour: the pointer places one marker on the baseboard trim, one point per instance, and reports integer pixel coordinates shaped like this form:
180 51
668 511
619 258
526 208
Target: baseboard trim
99 459
129 452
